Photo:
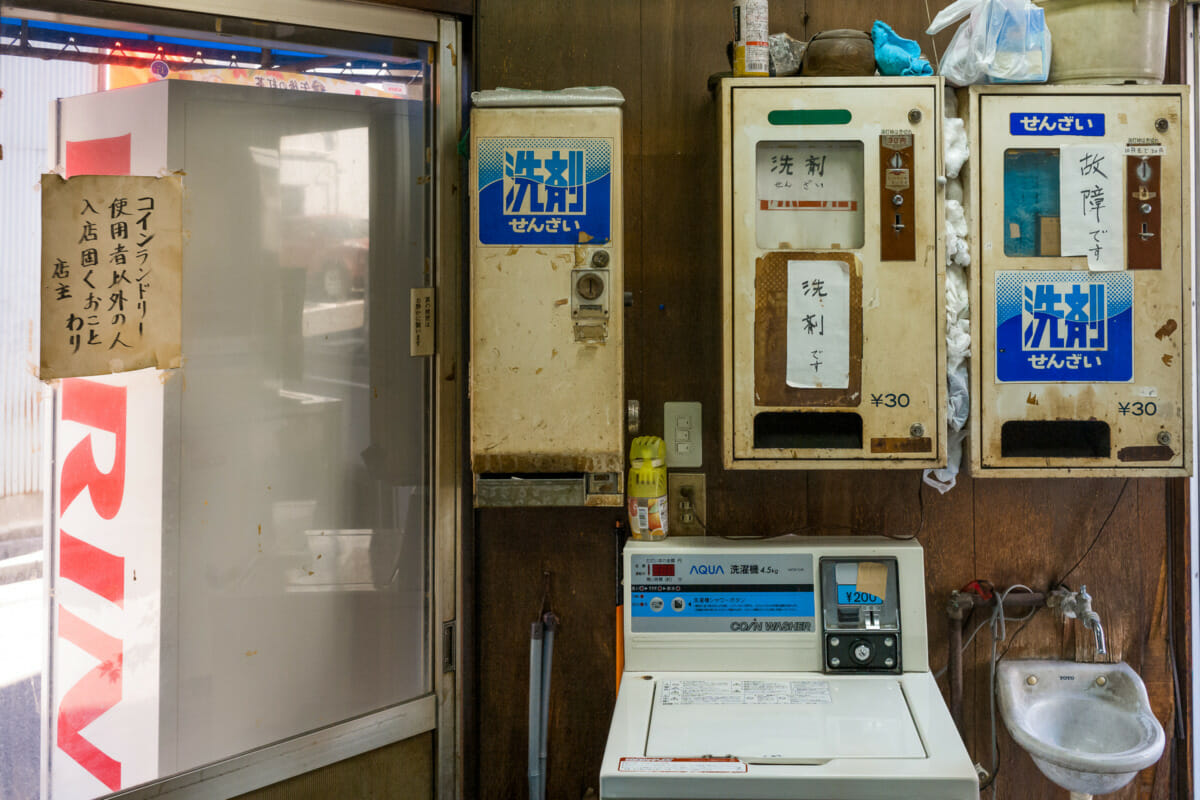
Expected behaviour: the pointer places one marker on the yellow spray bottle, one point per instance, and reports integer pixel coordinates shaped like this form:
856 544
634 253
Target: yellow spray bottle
646 490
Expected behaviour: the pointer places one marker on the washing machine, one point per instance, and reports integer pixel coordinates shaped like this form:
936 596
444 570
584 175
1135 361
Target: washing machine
793 667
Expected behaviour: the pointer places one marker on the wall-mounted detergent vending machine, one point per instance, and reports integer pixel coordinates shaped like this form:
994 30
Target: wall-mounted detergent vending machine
833 273
547 363
1081 279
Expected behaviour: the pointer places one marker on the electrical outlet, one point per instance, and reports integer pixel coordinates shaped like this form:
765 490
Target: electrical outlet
687 514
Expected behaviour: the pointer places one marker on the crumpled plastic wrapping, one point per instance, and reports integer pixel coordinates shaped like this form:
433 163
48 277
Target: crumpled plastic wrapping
957 254
786 54
504 97
958 318
955 149
958 348
944 479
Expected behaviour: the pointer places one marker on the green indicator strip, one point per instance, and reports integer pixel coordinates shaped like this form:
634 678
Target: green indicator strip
810 116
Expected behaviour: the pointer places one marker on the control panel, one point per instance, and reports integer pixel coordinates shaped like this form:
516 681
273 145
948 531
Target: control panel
860 614
738 592
590 296
835 604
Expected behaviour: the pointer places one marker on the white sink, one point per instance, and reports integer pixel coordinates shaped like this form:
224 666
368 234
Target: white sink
1088 727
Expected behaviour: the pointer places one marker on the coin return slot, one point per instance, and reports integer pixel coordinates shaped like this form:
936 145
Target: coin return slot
1055 439
786 430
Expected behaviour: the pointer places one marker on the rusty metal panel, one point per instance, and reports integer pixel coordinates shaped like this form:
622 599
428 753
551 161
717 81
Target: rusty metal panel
30 87
546 376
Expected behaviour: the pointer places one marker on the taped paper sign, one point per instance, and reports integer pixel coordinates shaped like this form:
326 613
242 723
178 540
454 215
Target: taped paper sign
111 274
872 578
1090 203
818 325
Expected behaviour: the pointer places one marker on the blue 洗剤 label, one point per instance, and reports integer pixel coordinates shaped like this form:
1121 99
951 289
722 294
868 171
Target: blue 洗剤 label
1040 123
1064 327
535 191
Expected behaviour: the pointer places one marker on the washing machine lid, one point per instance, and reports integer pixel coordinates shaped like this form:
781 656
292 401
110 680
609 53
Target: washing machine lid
787 721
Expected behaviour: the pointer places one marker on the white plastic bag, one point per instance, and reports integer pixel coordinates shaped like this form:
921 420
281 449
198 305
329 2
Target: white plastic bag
1002 41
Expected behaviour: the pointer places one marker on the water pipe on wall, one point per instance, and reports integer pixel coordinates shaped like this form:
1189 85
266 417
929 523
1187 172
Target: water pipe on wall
537 632
956 609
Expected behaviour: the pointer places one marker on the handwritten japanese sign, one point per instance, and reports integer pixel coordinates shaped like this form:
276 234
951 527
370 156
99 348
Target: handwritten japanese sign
111 274
1090 203
818 324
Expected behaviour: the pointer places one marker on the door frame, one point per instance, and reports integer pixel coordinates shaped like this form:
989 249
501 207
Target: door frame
440 710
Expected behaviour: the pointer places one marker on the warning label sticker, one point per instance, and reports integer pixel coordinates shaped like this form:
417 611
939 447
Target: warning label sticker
716 693
690 765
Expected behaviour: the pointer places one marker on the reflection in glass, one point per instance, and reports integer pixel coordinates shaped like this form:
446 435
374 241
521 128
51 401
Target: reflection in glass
303 508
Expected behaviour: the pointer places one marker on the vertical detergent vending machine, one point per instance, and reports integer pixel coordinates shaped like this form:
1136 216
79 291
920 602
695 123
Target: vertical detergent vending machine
1080 201
833 273
547 375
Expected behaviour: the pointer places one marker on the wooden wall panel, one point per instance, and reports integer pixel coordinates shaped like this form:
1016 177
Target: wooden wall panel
516 550
660 55
1046 528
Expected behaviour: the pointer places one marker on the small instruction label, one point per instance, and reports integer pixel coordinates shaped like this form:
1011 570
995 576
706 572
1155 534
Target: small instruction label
1144 147
724 693
421 338
689 765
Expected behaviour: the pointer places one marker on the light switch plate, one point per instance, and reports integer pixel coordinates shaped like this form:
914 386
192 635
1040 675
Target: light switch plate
682 433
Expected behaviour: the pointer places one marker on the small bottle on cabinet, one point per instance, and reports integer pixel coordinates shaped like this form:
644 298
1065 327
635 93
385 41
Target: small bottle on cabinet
647 488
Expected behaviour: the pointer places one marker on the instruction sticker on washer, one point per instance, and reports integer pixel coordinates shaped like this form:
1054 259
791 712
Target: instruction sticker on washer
689 765
746 692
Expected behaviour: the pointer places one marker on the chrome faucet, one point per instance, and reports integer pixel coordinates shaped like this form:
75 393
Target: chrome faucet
1079 605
